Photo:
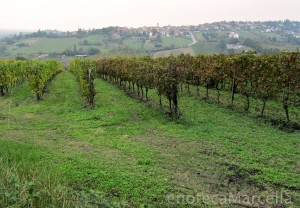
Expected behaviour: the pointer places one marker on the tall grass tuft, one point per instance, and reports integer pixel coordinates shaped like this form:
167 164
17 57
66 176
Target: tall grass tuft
23 186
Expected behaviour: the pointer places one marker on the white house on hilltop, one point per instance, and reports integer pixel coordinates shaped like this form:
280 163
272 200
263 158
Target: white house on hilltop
233 35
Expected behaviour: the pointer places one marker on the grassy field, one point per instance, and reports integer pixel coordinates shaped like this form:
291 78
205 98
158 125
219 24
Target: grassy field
177 42
136 44
95 38
38 46
174 52
126 153
199 36
206 48
49 45
258 36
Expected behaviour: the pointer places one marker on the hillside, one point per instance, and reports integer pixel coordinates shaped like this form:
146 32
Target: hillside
127 153
220 37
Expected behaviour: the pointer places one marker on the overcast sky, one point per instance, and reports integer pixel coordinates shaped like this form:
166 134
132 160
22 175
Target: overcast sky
72 14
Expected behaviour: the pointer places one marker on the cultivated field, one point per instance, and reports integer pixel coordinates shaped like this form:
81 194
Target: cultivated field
127 153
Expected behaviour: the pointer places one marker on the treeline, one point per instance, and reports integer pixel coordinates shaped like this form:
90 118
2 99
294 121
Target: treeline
258 48
38 74
90 51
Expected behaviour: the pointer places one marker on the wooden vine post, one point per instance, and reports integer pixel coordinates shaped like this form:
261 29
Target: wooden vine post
91 87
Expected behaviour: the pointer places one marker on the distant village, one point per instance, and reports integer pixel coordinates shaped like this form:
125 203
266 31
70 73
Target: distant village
152 33
232 40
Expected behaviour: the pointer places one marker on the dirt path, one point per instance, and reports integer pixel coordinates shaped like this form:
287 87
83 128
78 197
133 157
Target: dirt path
193 39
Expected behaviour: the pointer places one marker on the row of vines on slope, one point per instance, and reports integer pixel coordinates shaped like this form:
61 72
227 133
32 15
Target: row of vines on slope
263 77
143 74
38 74
11 72
84 70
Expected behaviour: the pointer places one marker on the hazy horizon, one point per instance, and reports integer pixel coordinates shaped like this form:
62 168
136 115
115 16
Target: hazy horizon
66 15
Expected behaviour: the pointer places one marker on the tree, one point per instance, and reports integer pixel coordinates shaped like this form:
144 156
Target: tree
233 41
222 45
93 51
75 50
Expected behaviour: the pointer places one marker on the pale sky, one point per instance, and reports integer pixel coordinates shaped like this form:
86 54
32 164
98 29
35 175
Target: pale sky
71 15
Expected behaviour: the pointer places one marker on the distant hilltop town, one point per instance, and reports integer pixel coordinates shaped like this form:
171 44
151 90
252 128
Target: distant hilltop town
211 38
153 32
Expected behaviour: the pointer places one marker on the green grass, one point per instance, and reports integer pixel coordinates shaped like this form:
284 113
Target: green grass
95 38
58 45
199 36
132 154
176 42
136 45
49 45
259 36
206 48
26 181
174 52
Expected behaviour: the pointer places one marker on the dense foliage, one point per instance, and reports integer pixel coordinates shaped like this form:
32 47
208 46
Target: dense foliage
145 73
84 70
38 73
10 73
264 77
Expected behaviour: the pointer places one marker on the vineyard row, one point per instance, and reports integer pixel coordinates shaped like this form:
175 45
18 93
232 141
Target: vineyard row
38 74
264 77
